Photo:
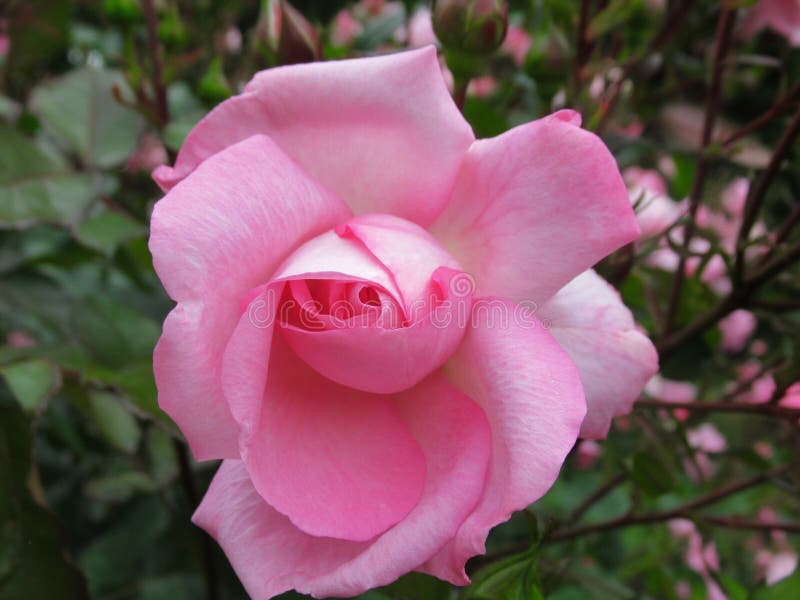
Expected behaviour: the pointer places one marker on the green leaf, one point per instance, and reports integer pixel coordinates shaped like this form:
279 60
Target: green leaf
116 424
514 578
80 108
31 382
651 475
119 486
120 555
113 334
418 585
33 560
36 185
105 231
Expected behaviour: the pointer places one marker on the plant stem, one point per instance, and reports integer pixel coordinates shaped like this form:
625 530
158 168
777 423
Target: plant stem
154 44
683 511
721 45
765 409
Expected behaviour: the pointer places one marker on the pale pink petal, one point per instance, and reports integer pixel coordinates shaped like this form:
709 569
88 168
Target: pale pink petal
213 237
271 555
186 364
381 132
420 28
338 462
385 360
737 328
405 261
780 566
535 207
614 357
226 228
533 398
409 253
706 438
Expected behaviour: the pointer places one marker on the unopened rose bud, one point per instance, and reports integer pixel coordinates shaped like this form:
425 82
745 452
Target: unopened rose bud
470 26
297 40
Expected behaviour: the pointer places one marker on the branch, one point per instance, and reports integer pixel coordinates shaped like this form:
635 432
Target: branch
764 409
682 511
669 27
596 496
721 45
162 109
758 194
738 298
776 109
741 523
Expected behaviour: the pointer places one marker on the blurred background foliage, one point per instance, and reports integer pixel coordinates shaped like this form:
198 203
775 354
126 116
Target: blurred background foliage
96 484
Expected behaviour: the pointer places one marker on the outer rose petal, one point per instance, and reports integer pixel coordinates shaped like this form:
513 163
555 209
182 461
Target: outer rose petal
338 462
614 358
533 398
381 132
534 207
270 555
217 234
226 228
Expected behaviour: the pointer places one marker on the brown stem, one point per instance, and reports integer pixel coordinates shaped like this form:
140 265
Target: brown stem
729 407
596 496
758 194
738 298
741 523
776 109
669 27
206 548
721 45
682 511
162 109
782 234
581 43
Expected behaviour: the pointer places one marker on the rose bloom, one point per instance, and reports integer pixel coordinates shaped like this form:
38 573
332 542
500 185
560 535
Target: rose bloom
387 329
782 16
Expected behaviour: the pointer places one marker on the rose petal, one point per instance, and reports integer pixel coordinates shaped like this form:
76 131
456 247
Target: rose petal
533 398
226 228
386 360
186 364
382 132
535 207
219 233
614 358
338 462
271 555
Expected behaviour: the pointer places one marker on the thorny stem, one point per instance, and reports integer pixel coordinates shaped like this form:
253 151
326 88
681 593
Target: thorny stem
721 44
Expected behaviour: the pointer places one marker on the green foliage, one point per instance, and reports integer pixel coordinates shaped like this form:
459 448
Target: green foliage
96 490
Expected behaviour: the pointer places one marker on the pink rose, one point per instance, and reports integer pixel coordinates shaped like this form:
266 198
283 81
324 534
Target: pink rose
782 16
357 331
737 328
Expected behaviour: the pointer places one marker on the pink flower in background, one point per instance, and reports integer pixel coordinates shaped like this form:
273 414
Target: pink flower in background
655 211
779 559
782 16
345 28
420 28
737 328
670 390
517 43
587 454
387 329
759 388
482 87
702 559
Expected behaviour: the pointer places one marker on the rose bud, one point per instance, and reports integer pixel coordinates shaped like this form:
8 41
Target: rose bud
293 39
470 26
